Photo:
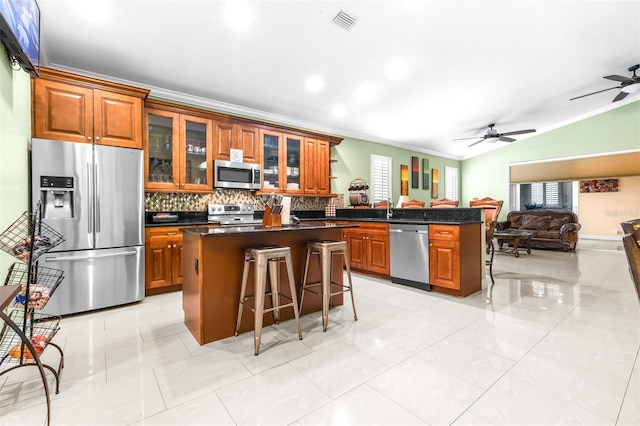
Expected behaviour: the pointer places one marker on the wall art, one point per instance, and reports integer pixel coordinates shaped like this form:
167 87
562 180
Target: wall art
425 173
404 179
415 173
599 185
434 183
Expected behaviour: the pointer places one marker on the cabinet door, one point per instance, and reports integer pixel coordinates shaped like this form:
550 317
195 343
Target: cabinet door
292 158
247 139
316 167
62 112
158 260
378 254
444 264
357 250
195 154
117 119
222 140
162 165
176 260
271 167
322 167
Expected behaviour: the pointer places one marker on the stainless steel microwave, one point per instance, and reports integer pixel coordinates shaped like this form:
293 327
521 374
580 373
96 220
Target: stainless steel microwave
228 174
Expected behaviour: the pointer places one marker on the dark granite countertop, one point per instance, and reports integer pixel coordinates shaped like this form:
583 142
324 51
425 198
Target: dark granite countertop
253 229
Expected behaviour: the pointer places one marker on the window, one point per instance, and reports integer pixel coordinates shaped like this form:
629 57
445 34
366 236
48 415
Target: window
451 183
552 195
380 178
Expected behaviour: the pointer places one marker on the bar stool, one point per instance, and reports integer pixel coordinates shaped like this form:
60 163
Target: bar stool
325 250
265 258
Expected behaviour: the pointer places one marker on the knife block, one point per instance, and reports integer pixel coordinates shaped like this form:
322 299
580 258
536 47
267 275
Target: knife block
269 219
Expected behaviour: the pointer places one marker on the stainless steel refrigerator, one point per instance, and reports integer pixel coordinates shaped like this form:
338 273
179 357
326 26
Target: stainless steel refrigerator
94 196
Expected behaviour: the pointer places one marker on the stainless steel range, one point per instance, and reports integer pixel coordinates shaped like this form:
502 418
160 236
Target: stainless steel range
232 214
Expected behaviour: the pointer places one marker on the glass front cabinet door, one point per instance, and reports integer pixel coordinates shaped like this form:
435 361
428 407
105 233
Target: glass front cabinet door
293 169
196 156
271 150
178 152
161 168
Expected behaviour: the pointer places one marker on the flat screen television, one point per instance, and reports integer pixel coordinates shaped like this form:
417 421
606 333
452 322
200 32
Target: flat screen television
20 33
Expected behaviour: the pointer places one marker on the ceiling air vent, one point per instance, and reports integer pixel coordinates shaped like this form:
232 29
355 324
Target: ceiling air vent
344 20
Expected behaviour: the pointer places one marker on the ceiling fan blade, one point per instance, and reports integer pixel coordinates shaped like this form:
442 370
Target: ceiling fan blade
504 139
466 139
518 132
620 96
618 78
475 143
593 93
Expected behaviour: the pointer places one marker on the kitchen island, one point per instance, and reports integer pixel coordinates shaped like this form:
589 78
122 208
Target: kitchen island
213 259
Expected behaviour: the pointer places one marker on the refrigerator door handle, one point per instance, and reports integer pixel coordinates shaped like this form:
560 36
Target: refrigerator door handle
89 203
97 256
97 179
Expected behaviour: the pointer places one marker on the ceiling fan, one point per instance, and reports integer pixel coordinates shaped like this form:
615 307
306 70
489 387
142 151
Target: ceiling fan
493 134
627 84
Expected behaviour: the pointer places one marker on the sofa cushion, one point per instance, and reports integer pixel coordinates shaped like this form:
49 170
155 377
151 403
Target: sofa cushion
532 222
557 222
515 221
547 235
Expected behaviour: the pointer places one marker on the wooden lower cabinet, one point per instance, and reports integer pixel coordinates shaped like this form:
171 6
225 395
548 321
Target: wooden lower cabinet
163 259
368 248
455 258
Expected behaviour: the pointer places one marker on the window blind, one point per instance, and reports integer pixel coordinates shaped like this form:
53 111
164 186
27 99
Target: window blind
451 183
380 177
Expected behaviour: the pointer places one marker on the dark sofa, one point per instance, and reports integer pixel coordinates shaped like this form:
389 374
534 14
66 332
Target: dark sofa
549 228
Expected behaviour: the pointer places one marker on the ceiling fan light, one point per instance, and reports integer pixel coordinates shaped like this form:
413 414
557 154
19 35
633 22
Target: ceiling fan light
632 88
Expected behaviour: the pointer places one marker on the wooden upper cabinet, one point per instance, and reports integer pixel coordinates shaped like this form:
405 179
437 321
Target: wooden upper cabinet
62 112
229 136
248 140
117 119
222 140
75 108
316 167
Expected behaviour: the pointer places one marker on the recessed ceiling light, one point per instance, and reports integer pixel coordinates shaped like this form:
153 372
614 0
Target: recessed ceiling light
315 83
365 93
397 68
239 14
339 111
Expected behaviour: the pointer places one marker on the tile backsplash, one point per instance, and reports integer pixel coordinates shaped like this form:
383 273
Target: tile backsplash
169 201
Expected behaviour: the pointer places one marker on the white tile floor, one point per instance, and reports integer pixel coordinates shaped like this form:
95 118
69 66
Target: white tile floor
555 342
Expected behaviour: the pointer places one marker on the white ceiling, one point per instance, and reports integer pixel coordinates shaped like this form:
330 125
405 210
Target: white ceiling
470 63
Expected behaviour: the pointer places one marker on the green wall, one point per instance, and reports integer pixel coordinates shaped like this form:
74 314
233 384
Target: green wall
353 157
488 175
15 135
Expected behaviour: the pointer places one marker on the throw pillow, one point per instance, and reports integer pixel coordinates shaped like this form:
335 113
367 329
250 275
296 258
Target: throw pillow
515 221
557 222
532 222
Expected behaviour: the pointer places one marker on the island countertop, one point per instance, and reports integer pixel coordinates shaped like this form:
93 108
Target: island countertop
256 229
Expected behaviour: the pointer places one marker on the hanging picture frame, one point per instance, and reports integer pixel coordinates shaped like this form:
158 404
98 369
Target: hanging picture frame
425 173
434 183
415 173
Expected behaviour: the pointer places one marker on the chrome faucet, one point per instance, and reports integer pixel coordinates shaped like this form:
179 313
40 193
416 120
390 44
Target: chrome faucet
389 212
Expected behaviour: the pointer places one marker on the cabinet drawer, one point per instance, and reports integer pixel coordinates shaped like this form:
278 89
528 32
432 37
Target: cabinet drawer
373 227
444 232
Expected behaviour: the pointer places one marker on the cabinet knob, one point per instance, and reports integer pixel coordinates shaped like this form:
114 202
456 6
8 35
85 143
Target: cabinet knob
97 138
174 246
169 246
89 138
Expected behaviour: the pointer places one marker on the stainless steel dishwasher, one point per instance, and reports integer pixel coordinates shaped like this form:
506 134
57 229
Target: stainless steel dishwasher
410 255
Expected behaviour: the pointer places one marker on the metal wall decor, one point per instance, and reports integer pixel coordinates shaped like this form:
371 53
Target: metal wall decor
425 173
434 183
415 173
599 185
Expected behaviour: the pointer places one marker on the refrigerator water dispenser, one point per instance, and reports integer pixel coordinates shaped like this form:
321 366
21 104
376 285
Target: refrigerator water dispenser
56 196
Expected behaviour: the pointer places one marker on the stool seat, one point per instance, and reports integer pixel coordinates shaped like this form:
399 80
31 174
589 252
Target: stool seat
267 259
325 250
